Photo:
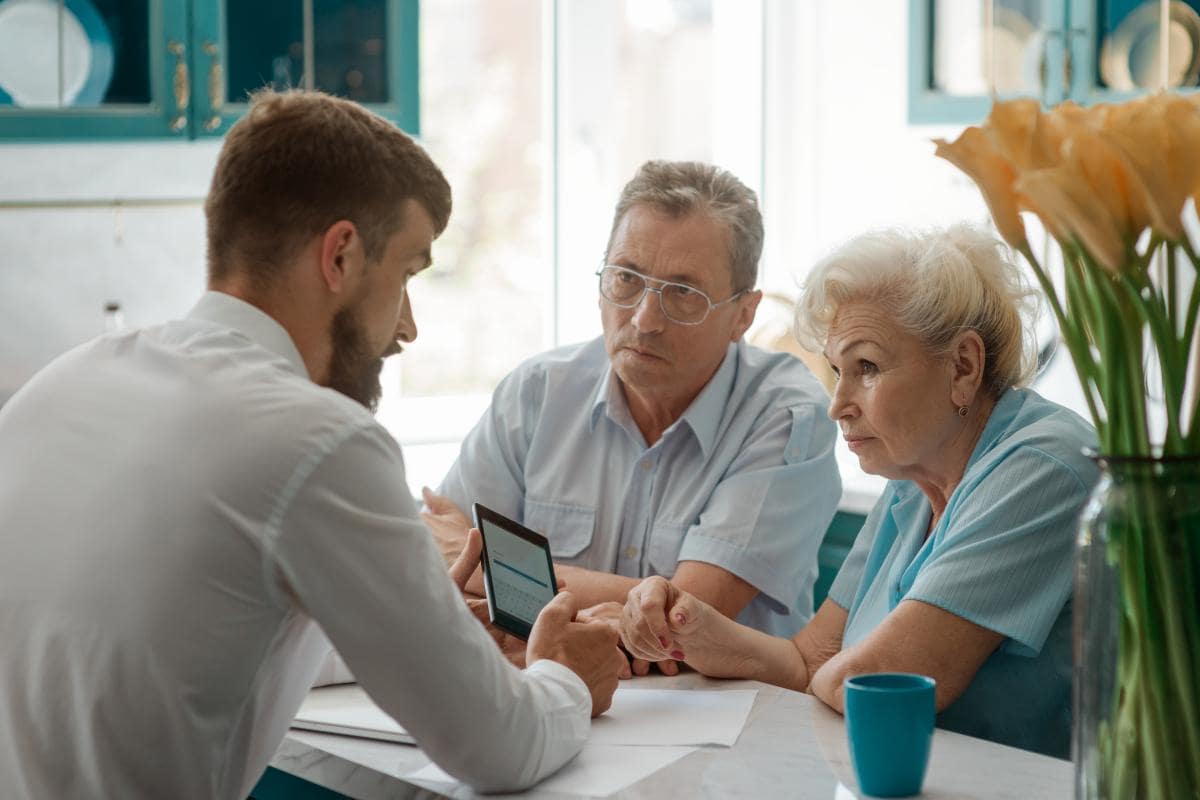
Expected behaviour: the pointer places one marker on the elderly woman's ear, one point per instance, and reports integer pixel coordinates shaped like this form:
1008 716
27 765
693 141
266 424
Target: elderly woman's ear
967 360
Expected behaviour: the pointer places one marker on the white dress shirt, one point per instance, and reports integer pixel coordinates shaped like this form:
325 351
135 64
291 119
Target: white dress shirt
182 513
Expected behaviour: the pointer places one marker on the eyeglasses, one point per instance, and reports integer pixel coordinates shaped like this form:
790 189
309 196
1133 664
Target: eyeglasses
680 303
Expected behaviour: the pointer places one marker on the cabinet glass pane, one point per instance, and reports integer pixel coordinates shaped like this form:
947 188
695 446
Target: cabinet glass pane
350 51
265 44
74 53
1129 44
974 55
345 40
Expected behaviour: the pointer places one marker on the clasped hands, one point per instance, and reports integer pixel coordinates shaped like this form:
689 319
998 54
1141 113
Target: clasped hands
658 623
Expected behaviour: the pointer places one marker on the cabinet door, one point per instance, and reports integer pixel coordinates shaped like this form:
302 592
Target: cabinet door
365 50
964 53
1120 48
93 69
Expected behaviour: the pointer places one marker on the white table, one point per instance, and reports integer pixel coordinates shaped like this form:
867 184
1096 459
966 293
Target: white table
793 746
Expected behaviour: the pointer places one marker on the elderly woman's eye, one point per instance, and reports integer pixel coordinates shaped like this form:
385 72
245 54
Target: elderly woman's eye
867 368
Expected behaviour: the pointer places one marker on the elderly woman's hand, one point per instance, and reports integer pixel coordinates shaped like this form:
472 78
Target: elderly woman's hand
662 622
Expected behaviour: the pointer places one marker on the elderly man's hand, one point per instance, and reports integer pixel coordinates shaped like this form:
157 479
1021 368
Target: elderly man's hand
661 622
450 526
610 614
587 649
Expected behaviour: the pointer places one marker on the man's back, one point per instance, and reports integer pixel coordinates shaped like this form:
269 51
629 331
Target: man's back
140 619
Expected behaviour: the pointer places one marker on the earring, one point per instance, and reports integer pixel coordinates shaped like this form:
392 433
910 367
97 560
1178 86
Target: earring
962 411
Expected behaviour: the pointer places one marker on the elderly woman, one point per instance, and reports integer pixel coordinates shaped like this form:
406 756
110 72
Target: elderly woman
962 570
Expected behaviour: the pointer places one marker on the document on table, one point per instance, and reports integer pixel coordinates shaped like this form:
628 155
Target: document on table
348 710
674 717
598 771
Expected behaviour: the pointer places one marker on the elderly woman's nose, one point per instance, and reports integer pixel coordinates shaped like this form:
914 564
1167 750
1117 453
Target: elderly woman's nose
839 403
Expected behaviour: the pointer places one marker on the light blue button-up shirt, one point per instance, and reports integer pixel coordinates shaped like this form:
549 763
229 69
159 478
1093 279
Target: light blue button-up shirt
745 479
1001 556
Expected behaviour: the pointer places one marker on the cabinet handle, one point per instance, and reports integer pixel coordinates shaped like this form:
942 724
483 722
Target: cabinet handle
180 84
216 86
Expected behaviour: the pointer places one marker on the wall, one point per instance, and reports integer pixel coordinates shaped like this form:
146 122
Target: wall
60 263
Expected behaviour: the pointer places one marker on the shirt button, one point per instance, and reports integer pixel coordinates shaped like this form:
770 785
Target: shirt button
646 465
631 552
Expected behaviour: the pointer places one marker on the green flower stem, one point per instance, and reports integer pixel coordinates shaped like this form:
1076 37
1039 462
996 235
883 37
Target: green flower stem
1162 621
1165 343
1076 345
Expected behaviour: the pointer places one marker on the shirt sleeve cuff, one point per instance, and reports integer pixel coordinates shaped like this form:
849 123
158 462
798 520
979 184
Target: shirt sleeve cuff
573 686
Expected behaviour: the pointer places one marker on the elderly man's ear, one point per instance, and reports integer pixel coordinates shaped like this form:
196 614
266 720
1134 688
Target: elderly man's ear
967 360
746 308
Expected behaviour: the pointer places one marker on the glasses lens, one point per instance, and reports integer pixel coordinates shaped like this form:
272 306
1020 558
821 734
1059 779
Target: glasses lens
621 285
683 303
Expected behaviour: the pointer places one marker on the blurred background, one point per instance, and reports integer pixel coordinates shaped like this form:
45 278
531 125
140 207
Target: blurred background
112 111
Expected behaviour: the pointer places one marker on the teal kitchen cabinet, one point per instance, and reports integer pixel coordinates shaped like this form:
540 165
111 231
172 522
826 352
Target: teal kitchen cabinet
123 69
964 53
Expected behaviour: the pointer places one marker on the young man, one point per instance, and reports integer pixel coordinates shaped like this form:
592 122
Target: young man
185 509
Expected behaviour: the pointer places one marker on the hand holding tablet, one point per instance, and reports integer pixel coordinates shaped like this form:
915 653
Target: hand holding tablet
518 572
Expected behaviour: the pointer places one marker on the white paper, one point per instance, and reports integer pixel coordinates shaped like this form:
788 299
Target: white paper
598 770
674 717
349 711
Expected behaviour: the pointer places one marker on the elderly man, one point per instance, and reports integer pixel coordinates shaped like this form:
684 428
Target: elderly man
186 508
668 446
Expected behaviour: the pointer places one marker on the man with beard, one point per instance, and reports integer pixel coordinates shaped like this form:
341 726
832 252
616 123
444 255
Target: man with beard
187 510
668 446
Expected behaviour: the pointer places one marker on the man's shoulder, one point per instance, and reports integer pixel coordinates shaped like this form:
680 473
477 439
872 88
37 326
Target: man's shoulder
777 378
257 391
574 364
1039 438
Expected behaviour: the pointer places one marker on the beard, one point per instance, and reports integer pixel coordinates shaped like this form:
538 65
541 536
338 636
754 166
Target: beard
353 368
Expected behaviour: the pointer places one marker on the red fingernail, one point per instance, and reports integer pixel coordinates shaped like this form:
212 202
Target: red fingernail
677 655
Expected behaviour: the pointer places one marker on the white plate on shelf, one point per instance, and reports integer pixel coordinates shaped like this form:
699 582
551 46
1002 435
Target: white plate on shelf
1129 56
33 71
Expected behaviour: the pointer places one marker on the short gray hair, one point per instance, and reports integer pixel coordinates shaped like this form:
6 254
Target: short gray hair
935 283
679 188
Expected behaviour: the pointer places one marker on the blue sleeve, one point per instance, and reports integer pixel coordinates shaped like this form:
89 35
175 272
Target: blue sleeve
845 586
768 515
1003 557
490 467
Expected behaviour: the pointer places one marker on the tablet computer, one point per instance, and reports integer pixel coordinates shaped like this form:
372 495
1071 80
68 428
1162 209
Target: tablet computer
518 573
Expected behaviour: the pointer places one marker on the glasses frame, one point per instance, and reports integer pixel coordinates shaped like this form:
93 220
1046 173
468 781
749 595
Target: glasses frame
646 287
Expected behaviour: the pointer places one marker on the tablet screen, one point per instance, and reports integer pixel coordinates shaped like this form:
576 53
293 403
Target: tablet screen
520 571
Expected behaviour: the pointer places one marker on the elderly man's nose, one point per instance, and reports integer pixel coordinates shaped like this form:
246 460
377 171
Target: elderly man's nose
648 314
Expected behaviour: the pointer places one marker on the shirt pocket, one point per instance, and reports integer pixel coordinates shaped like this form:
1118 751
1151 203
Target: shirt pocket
569 528
665 541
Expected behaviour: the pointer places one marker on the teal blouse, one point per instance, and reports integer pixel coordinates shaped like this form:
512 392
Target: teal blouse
1001 556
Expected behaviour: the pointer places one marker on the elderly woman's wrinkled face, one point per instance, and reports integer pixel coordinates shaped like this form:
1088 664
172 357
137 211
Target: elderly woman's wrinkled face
892 399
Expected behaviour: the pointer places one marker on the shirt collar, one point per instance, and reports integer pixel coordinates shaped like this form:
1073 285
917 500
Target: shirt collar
703 416
250 321
1003 412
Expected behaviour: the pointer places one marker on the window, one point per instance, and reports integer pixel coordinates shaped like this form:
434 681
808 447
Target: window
544 112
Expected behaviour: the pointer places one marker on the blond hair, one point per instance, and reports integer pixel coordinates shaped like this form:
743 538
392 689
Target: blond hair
935 284
680 188
298 162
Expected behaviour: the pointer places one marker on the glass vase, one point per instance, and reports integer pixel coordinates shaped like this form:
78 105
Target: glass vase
1136 724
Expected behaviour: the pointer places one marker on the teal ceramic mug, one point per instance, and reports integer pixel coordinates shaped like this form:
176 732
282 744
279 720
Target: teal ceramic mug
889 722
